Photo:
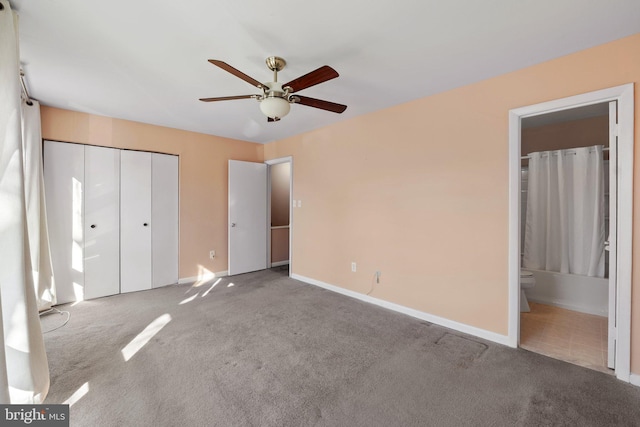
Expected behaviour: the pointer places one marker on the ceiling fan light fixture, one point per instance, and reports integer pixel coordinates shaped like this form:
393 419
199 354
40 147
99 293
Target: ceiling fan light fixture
275 107
276 98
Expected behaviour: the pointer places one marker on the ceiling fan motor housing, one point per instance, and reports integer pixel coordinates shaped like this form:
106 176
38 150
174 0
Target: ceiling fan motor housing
275 103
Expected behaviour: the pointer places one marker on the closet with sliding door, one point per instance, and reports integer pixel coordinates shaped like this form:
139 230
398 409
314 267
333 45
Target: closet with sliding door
113 219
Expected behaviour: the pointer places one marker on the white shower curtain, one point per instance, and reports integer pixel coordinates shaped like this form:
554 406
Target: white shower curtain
24 372
564 229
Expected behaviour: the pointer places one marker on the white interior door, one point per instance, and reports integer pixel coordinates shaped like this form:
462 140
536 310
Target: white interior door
164 214
612 241
135 221
64 186
101 221
247 217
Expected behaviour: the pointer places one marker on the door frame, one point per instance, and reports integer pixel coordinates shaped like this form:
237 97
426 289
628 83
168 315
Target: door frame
624 95
269 163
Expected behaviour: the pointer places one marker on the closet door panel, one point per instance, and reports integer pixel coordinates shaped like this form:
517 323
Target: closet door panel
164 214
64 187
102 221
135 221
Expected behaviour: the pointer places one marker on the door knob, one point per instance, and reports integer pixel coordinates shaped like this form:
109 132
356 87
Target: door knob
93 226
145 224
233 224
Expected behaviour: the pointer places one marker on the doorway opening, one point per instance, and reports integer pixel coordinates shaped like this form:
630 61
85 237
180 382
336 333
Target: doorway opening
564 275
617 106
279 205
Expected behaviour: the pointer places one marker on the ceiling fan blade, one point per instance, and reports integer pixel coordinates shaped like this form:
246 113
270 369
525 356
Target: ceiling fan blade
228 68
313 78
269 119
319 103
228 98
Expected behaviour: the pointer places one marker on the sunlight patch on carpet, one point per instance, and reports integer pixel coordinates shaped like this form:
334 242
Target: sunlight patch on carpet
143 337
77 395
212 286
186 300
204 276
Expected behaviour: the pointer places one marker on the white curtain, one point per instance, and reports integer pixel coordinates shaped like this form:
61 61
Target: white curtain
42 270
564 229
24 372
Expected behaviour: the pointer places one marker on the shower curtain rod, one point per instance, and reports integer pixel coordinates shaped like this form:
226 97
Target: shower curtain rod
528 157
25 92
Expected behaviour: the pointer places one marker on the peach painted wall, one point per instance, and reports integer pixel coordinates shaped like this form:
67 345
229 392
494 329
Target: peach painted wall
203 175
420 191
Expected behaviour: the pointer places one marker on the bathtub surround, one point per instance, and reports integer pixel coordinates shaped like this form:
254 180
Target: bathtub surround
307 357
570 291
564 214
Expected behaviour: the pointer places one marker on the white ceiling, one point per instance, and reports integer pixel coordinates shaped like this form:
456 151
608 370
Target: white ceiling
146 60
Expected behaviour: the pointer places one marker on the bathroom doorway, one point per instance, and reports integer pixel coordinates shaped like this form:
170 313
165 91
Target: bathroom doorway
563 227
590 330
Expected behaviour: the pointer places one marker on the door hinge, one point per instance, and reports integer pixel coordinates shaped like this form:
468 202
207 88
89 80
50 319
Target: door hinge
616 129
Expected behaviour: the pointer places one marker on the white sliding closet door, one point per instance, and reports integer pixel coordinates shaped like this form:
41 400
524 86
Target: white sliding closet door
135 221
164 214
64 186
101 221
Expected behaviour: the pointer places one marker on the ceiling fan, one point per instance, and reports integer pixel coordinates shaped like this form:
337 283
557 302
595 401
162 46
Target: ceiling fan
276 98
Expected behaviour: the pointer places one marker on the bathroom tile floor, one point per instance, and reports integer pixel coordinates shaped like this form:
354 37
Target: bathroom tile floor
567 335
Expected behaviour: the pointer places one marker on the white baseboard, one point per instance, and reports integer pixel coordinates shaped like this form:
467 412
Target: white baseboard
279 263
204 278
635 379
461 327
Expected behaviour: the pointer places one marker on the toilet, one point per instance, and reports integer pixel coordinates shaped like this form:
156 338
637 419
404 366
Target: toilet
527 281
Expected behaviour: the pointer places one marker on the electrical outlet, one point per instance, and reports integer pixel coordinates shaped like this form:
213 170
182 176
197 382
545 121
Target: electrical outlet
212 254
353 267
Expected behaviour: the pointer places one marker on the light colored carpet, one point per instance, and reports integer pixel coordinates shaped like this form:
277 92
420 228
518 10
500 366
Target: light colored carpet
271 351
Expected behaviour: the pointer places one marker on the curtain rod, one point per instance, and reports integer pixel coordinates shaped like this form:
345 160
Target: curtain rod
25 92
528 157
